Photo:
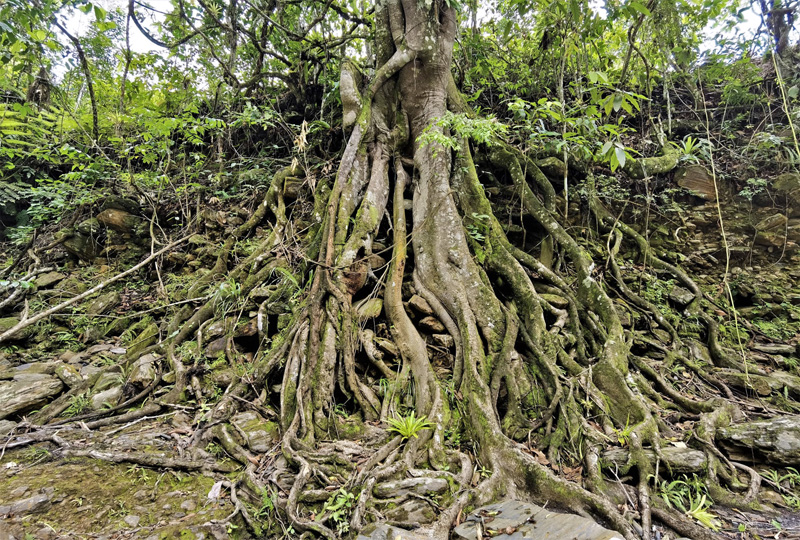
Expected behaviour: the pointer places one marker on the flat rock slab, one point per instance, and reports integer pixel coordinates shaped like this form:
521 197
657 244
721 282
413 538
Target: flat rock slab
26 392
518 520
387 532
777 440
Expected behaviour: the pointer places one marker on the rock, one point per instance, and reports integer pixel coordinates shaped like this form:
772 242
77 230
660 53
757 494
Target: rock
19 492
27 392
696 179
143 371
39 368
681 296
788 185
48 279
121 203
6 427
776 440
7 323
412 511
444 340
420 486
774 348
676 459
432 324
111 376
109 397
387 346
776 221
82 246
120 221
261 435
188 506
104 303
216 347
146 337
376 262
132 520
531 521
387 532
369 309
36 503
420 305
89 227
68 375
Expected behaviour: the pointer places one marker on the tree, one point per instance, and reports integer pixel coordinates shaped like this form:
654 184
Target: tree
533 339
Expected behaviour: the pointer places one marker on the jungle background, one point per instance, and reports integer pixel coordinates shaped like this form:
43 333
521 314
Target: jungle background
303 268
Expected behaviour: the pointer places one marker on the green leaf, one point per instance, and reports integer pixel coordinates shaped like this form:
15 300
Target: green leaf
617 102
100 14
619 153
793 91
641 8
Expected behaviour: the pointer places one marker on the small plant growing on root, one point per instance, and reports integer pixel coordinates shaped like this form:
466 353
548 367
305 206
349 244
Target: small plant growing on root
408 426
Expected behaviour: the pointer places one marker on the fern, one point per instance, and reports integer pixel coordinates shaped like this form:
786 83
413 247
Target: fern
10 193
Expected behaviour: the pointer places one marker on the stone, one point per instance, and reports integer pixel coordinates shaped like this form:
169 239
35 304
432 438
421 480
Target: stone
530 521
216 347
120 203
774 348
100 347
432 324
146 337
35 503
681 296
776 440
776 221
108 397
697 180
104 303
48 279
420 305
420 486
676 460
89 227
387 346
388 532
785 190
111 376
45 533
369 309
120 221
27 392
80 245
143 371
188 506
261 435
68 375
412 511
132 520
444 340
7 323
18 492
6 427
